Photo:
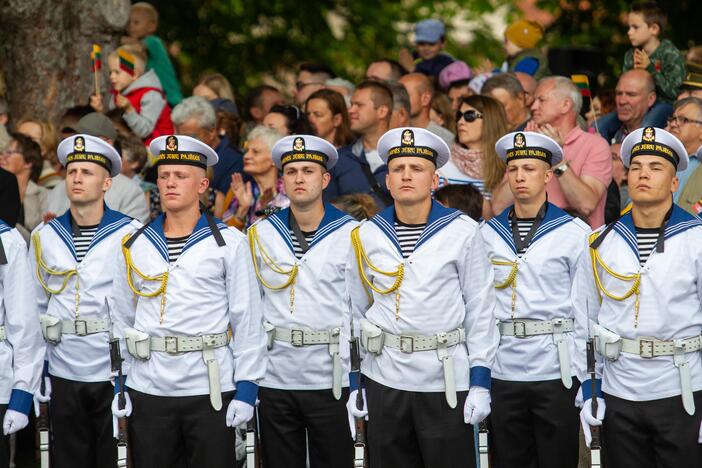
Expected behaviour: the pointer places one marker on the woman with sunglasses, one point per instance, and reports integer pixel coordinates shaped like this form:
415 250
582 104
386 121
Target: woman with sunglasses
287 120
480 122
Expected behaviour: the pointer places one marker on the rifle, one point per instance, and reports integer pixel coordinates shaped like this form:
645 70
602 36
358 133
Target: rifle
43 429
116 362
253 447
360 457
595 445
483 445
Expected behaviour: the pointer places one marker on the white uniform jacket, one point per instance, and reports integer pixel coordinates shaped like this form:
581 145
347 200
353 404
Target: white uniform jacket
321 301
22 349
209 290
79 358
544 278
670 306
447 284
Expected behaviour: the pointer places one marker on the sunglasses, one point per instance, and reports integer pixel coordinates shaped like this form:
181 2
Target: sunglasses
468 116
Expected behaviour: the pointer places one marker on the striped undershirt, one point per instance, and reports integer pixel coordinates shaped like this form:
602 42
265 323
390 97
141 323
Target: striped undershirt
175 247
646 239
296 245
524 226
82 239
407 235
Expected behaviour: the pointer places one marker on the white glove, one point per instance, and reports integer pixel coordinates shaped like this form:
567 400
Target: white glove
120 413
477 406
579 398
238 413
587 419
14 421
353 412
39 398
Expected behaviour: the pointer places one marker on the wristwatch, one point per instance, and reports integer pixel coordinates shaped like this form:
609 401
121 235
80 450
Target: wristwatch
561 169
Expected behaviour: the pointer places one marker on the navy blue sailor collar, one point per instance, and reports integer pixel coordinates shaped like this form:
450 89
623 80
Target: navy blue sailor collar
154 233
439 217
110 222
679 221
332 220
4 227
554 218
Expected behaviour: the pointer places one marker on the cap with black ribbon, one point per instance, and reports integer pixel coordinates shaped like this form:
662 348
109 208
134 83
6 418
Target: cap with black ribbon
413 142
529 145
87 148
652 141
304 148
184 150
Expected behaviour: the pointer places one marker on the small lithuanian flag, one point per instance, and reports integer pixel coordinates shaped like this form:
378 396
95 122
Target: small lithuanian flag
583 84
96 58
126 61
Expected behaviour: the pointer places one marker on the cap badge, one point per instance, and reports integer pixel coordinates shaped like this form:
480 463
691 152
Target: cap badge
299 144
649 135
519 140
172 143
79 144
407 138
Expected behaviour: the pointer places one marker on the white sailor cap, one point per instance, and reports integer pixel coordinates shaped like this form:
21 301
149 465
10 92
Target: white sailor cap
412 141
297 148
92 149
181 149
651 141
529 145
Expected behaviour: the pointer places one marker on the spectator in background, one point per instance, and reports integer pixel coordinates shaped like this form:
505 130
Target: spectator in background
23 159
4 115
258 103
692 84
360 168
529 85
602 104
686 125
141 29
359 205
521 40
440 112
228 121
635 95
195 117
341 86
310 78
454 79
70 119
385 69
480 122
134 158
329 118
287 120
246 201
465 198
507 89
421 90
428 58
44 134
212 86
401 107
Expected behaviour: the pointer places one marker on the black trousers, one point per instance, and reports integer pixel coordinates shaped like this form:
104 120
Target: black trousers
180 432
651 434
534 424
416 429
4 443
288 417
81 424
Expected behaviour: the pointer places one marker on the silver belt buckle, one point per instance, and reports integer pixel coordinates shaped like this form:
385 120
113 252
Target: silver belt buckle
642 351
519 332
297 337
406 343
171 344
81 327
209 341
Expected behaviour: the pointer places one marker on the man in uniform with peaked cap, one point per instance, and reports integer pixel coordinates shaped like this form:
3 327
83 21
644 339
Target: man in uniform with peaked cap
187 304
639 294
423 301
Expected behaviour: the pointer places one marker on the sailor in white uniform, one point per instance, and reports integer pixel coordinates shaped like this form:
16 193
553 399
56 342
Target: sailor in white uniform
300 255
534 247
187 304
423 297
70 257
21 345
638 291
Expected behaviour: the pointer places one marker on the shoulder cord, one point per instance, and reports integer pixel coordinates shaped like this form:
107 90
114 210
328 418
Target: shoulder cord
362 258
42 266
270 263
510 281
163 278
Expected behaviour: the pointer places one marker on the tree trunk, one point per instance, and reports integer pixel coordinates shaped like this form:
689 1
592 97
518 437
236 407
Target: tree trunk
45 50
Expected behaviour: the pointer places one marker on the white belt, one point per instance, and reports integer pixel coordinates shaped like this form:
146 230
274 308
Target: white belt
84 327
305 337
374 339
556 327
137 347
2 333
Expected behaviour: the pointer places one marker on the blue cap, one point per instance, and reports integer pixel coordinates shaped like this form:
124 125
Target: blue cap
429 30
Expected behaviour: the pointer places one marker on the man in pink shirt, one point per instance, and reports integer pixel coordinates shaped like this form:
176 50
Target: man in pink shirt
582 178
